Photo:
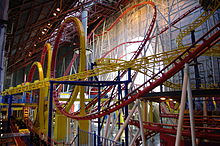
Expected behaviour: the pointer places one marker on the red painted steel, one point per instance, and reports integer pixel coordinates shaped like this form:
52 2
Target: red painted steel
201 132
176 65
14 129
162 31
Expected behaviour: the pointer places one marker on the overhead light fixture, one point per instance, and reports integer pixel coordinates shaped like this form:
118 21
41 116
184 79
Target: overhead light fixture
170 99
58 9
174 101
88 51
43 32
29 54
45 29
162 98
55 14
48 24
35 45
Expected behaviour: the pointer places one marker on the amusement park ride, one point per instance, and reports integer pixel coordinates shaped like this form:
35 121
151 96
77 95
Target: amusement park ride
53 119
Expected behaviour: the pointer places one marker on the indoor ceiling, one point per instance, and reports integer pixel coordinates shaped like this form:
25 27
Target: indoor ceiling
29 18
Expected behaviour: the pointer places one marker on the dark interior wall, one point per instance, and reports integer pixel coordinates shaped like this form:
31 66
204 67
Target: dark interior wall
3 24
3 9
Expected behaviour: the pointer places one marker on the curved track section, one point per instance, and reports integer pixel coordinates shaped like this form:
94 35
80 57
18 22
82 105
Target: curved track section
162 31
200 133
43 91
82 65
196 23
125 12
140 48
171 69
40 110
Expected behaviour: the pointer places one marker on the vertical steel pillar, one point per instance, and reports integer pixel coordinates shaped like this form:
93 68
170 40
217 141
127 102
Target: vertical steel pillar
191 112
134 138
119 94
83 124
126 115
118 135
196 68
94 143
85 22
9 111
50 115
169 21
182 107
4 16
141 124
99 119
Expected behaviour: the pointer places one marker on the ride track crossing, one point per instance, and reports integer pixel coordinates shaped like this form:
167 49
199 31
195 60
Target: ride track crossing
177 64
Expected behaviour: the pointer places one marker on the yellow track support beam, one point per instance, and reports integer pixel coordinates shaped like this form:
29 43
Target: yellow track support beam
108 68
196 23
84 125
42 96
49 57
48 73
61 121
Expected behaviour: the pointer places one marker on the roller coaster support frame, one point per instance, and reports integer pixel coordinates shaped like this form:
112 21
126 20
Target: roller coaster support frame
119 97
98 84
126 108
3 30
135 137
126 121
99 119
9 111
50 115
182 107
141 124
191 112
196 68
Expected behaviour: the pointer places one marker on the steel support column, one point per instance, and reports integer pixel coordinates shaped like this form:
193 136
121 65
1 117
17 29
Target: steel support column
196 68
9 111
3 16
99 119
50 115
126 115
182 107
191 111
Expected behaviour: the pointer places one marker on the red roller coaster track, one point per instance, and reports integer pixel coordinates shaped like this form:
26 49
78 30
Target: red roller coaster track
145 40
201 132
162 31
162 76
175 66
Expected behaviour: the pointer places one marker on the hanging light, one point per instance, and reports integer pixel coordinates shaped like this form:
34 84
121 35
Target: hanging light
29 54
58 9
55 14
162 98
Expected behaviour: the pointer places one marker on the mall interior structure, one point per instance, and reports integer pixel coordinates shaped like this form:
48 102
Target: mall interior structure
109 73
